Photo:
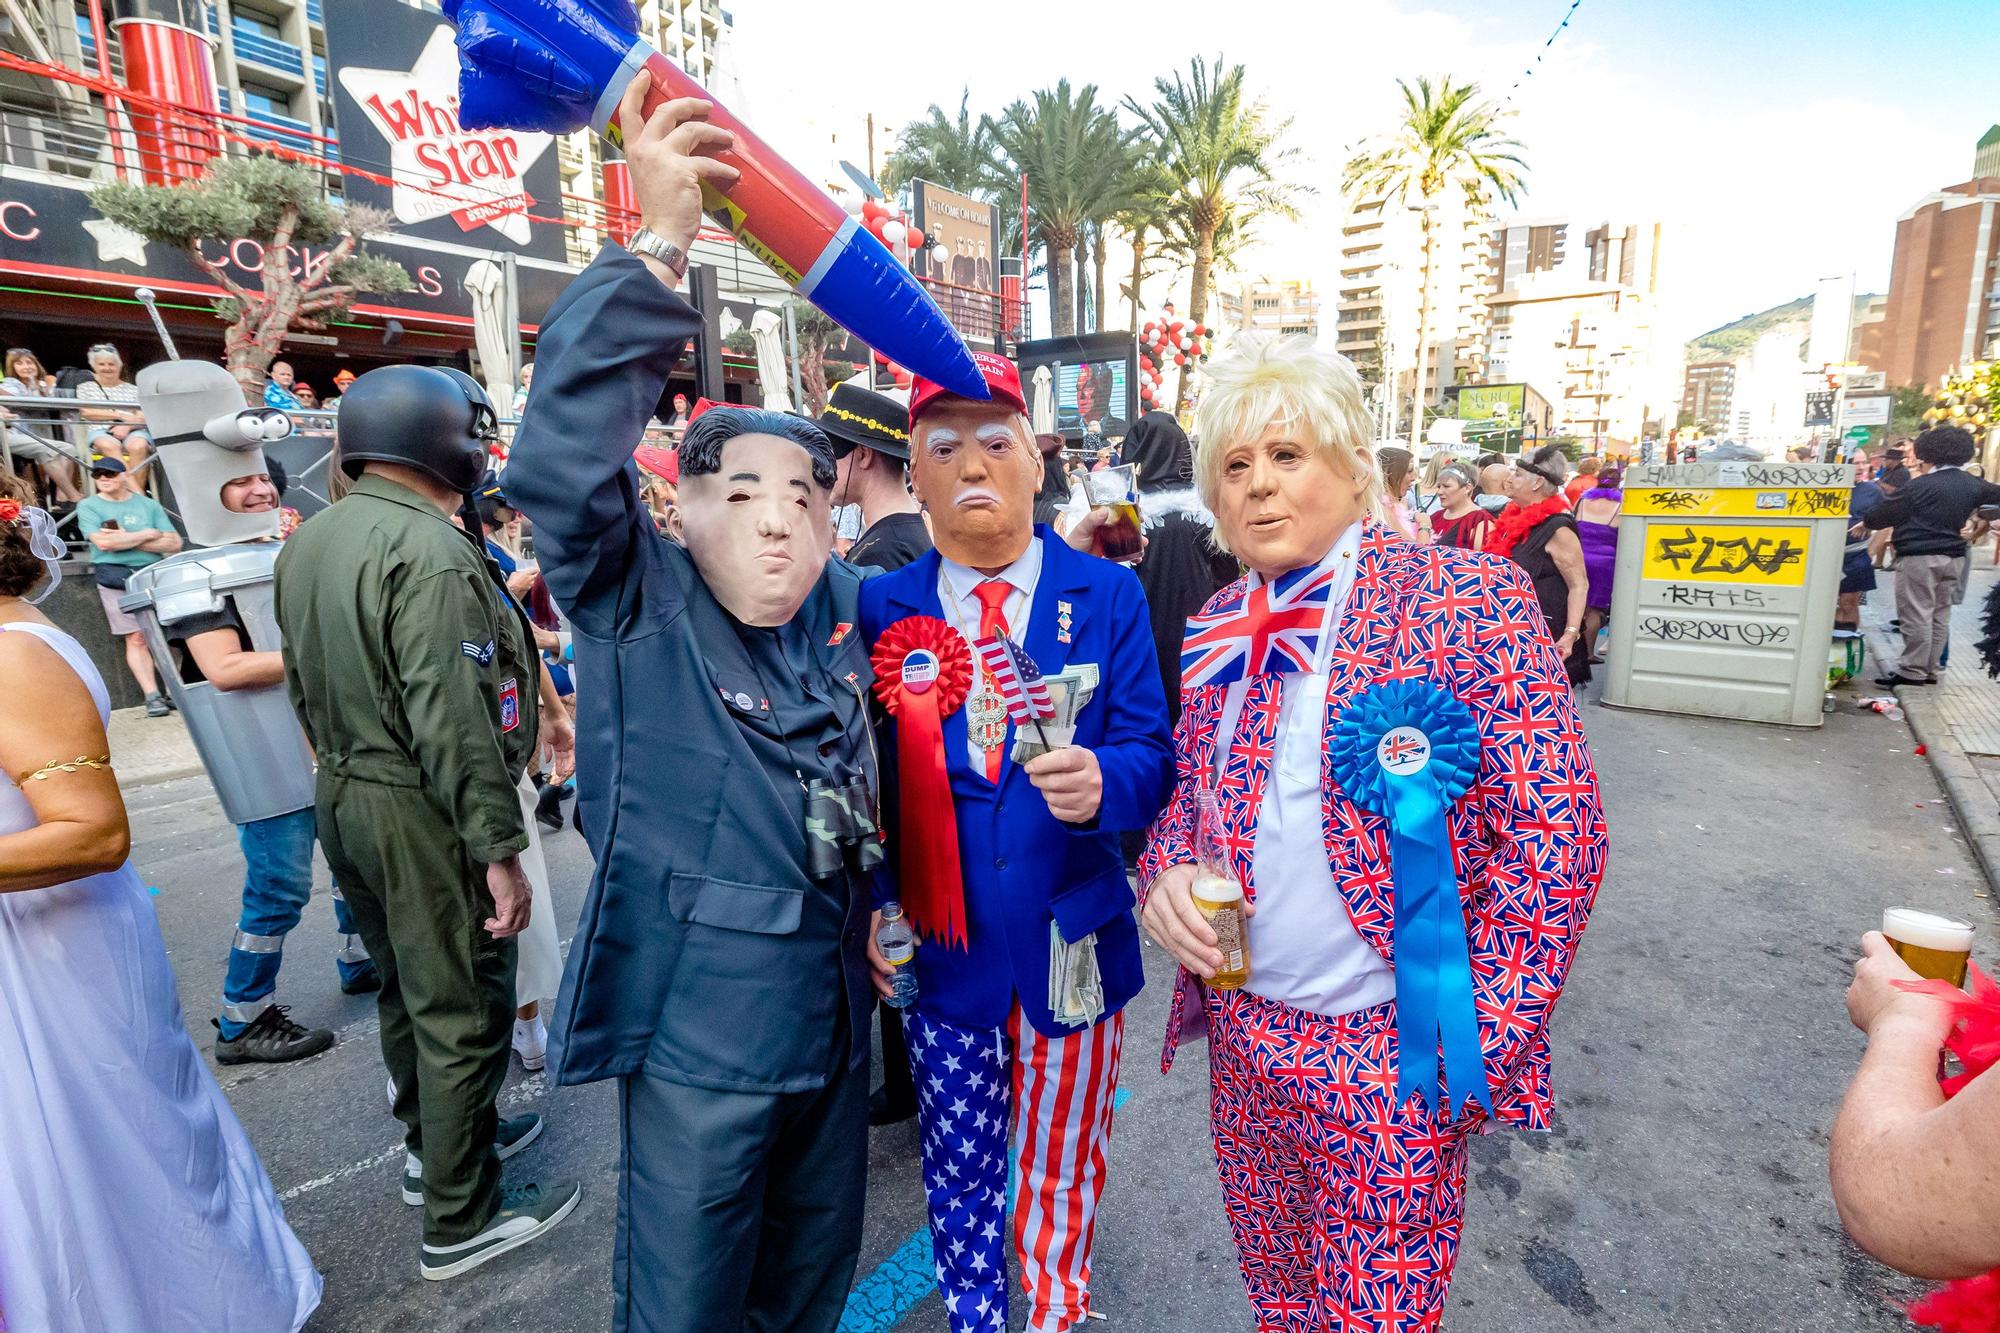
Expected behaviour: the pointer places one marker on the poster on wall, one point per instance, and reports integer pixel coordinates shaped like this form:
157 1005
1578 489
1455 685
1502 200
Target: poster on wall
395 83
962 237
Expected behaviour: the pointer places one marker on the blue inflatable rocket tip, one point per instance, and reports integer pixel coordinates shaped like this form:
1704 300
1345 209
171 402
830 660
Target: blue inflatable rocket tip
862 288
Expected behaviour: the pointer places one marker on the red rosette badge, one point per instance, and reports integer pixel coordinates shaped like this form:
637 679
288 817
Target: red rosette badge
923 671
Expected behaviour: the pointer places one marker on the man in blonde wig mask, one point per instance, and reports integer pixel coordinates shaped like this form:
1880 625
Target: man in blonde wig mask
1397 778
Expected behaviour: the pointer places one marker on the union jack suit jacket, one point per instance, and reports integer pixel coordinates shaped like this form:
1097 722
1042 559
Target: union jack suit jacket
1528 838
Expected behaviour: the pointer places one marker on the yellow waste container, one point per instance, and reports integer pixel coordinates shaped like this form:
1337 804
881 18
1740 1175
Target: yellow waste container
1722 600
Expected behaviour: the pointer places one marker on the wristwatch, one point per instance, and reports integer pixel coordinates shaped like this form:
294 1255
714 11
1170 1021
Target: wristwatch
646 241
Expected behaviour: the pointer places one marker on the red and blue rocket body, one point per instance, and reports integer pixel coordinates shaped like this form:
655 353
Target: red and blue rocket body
559 65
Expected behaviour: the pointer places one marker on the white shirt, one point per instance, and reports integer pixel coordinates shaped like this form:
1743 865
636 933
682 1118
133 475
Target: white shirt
962 608
1304 949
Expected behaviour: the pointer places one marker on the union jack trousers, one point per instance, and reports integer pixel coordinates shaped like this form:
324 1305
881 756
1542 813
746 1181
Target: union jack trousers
1344 1205
1056 1094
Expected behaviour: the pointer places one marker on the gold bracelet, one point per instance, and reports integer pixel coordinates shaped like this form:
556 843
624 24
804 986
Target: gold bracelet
58 766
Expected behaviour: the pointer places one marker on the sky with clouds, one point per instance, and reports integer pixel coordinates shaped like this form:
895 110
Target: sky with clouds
1778 141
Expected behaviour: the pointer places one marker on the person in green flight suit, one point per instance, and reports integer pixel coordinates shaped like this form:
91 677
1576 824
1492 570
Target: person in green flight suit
415 677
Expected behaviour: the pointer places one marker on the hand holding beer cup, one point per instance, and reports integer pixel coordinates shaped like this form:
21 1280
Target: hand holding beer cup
1875 1004
1179 927
1935 947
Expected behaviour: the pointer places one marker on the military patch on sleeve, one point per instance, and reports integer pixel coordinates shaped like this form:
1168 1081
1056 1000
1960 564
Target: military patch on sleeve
483 656
510 705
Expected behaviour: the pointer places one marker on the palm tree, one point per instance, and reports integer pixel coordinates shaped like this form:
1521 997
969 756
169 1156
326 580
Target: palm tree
1447 139
1071 150
1221 155
1145 217
957 153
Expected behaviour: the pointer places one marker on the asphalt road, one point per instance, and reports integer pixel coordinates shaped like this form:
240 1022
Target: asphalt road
1701 1049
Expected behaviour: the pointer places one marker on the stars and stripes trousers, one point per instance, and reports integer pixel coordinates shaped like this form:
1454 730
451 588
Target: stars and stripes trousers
993 1098
1345 1205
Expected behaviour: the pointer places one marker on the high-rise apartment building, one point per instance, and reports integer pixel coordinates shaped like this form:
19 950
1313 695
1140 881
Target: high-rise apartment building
1381 296
1943 307
1584 330
1521 248
1264 306
1708 392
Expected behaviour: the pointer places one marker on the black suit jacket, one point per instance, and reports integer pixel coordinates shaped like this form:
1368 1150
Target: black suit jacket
706 954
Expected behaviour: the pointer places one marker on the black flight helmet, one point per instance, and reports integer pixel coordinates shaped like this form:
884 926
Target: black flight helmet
432 418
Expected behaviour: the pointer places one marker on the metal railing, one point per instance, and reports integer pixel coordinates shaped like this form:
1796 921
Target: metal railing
53 430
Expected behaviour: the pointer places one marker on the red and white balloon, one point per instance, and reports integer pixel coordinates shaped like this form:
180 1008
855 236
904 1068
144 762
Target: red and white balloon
1167 341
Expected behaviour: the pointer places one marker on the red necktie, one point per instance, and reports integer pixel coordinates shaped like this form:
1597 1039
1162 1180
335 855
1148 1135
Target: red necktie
992 595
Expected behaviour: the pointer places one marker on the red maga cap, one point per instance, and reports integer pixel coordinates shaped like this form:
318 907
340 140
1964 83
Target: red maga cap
1003 385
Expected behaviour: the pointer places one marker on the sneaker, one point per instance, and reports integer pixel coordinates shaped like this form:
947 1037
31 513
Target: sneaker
548 807
514 1134
365 982
531 1043
273 1039
157 705
526 1212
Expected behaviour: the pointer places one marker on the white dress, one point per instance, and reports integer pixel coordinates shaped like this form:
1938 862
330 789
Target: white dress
129 1196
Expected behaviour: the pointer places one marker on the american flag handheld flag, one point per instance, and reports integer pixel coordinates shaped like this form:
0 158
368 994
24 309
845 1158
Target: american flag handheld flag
1274 627
1018 680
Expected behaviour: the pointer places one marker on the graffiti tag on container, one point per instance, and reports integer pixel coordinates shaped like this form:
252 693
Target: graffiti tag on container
1753 634
1676 502
1718 598
1701 554
1819 504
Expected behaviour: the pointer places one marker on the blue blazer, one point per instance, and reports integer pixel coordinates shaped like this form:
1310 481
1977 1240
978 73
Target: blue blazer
1023 868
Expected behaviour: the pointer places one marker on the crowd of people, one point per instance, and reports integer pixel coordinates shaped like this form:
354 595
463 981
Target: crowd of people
1301 707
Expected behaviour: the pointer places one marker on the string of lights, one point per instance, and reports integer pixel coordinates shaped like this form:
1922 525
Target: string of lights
1529 71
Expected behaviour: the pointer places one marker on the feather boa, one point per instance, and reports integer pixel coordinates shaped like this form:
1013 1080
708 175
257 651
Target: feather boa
1988 648
1515 523
1971 1304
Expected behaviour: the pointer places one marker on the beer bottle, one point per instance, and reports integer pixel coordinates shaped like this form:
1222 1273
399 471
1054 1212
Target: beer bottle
1218 895
898 944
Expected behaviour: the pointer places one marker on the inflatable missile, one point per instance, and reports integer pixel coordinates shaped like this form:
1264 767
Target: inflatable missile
559 65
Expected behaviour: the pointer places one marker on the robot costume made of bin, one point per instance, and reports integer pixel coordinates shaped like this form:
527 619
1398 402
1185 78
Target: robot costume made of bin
249 740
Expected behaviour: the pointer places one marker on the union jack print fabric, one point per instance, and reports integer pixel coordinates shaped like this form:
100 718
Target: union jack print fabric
1011 672
1345 1206
1249 631
1529 838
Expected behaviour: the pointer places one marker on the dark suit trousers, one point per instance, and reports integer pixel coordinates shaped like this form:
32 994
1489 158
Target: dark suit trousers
738 1210
447 998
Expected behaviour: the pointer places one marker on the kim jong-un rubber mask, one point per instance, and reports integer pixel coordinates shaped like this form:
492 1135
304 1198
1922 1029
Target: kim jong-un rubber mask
756 511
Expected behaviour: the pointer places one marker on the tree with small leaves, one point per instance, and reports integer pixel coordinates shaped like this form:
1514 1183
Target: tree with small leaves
314 264
817 335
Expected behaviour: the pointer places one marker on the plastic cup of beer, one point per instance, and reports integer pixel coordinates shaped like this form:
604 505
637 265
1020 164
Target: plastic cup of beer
1116 489
1219 898
1932 946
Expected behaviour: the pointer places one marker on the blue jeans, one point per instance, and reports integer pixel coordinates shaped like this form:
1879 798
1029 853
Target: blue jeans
277 884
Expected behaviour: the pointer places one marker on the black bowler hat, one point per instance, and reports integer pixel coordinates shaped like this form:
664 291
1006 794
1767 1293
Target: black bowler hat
857 416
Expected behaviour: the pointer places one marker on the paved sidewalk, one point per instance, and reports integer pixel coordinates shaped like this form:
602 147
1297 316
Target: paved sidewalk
1957 721
146 750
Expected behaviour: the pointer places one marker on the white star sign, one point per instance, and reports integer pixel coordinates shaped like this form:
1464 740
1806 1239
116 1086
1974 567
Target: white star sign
116 241
439 168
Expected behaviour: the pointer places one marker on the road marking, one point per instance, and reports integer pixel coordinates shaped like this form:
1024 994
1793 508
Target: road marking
527 1089
900 1282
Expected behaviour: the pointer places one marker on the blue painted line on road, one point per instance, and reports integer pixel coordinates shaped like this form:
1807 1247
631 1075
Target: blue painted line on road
896 1286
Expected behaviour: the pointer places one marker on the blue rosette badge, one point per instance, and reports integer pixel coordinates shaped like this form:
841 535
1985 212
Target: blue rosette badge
1406 750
